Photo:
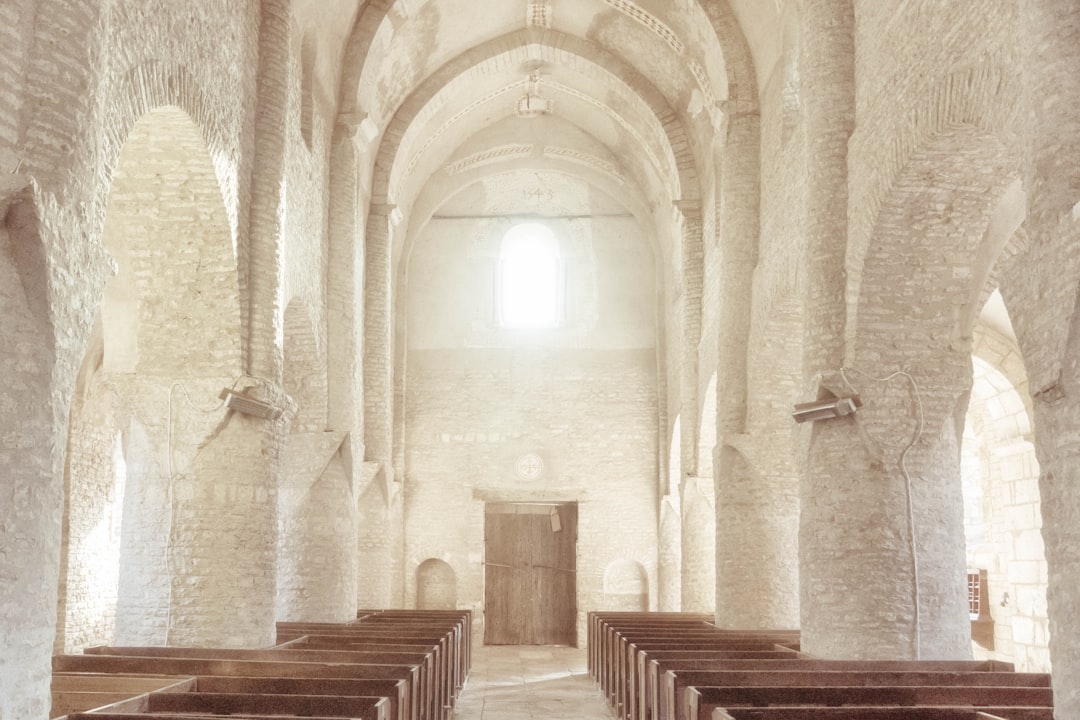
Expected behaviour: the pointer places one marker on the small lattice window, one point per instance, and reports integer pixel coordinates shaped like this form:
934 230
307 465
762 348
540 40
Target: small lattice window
974 588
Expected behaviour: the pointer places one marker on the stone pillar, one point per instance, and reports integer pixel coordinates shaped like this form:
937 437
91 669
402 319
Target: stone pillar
317 560
1049 333
378 339
263 356
882 536
31 484
828 72
757 542
698 545
692 272
223 532
380 545
753 570
669 560
345 293
828 596
379 406
698 540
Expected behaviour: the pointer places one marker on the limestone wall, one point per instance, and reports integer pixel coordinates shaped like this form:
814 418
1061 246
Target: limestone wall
582 398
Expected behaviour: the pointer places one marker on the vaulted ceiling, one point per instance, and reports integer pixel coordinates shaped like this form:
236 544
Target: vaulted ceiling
626 96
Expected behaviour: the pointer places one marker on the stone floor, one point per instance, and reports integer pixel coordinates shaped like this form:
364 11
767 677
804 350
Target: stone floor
517 682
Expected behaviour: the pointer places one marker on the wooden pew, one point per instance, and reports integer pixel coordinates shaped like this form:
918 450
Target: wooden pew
881 712
604 626
448 634
426 693
407 665
701 701
635 685
80 692
437 681
647 677
461 620
865 682
650 669
397 691
445 674
630 646
614 635
601 625
162 705
226 667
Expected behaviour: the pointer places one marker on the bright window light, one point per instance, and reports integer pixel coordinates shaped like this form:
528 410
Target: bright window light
529 278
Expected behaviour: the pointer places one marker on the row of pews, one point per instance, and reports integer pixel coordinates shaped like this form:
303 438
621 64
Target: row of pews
679 666
385 665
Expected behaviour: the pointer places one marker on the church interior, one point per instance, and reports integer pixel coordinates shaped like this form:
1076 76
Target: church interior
761 309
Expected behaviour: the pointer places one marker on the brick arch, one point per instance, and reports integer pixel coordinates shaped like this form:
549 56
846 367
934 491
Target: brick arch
738 60
172 240
983 98
555 47
152 85
371 16
934 225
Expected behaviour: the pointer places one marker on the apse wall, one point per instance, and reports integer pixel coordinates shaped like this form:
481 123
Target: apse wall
566 414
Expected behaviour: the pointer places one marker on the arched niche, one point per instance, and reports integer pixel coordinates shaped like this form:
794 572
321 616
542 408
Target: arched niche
436 586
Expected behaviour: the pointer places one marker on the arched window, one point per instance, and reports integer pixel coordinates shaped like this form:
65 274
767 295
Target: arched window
530 287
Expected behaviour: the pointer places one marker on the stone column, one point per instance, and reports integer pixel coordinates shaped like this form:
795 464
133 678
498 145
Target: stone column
698 545
345 292
31 484
697 539
378 338
263 357
837 614
751 512
882 534
223 536
1041 294
384 520
693 272
669 557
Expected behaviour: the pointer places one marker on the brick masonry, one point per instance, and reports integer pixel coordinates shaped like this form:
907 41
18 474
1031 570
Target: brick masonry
858 176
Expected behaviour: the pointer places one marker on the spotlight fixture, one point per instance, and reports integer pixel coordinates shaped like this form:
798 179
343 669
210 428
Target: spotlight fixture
250 406
825 409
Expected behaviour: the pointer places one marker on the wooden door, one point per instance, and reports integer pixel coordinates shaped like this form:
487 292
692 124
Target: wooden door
530 574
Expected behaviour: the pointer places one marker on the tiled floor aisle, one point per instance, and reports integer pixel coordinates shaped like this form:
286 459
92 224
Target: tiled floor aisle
519 682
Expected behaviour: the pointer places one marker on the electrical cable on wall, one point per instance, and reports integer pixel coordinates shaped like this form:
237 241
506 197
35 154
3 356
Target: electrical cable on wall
907 489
